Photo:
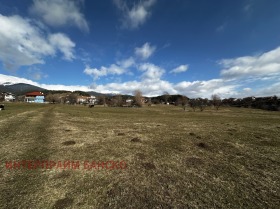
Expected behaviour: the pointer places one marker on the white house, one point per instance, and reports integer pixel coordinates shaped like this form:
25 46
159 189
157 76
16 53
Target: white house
85 99
9 97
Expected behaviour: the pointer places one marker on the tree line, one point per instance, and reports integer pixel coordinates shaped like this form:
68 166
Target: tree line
271 103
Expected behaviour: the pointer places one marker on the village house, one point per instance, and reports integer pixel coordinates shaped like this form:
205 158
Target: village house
86 99
9 97
129 101
82 99
92 99
36 97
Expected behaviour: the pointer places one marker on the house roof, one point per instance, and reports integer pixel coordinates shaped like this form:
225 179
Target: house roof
35 93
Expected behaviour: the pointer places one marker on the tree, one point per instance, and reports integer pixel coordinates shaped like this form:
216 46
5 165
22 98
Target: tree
53 98
20 98
166 97
193 104
138 98
2 97
117 101
182 101
201 103
72 98
216 101
102 100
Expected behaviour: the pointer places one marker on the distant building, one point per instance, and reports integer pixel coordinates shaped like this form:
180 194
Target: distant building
36 97
9 97
128 101
85 99
82 99
92 99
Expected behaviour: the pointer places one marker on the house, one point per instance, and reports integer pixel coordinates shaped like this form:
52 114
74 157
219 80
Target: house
86 99
92 99
82 99
9 97
128 101
36 97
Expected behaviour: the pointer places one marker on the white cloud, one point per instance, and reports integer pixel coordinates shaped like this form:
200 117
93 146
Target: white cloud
206 88
247 89
266 64
114 69
23 42
137 15
145 51
151 72
60 13
14 80
35 73
63 44
148 88
180 69
127 62
270 90
104 71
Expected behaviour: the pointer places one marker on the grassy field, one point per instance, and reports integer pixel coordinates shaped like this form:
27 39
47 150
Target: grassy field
174 159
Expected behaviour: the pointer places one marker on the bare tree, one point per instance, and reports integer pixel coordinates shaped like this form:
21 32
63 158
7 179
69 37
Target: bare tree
166 97
20 98
149 101
193 104
201 103
63 98
72 98
138 98
53 98
117 101
216 101
102 100
184 102
2 97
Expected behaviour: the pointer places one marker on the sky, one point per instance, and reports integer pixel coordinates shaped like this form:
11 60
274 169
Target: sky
195 48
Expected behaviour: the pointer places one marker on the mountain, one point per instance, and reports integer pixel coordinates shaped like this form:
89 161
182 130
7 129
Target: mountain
22 88
19 88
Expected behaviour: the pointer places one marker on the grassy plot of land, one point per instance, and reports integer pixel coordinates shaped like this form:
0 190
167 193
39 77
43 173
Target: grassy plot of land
175 159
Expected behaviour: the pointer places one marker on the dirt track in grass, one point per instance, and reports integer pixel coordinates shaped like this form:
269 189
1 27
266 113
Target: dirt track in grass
175 159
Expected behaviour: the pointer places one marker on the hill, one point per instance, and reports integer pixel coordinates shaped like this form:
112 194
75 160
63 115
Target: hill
20 88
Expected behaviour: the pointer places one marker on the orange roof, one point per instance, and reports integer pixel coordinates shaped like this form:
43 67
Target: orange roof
35 93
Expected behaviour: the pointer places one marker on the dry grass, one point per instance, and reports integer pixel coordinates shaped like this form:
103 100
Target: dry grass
175 159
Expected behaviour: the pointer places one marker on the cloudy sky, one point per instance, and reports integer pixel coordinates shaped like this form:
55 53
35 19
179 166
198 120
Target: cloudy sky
196 48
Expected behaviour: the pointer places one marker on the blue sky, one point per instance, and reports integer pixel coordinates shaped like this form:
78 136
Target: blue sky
196 48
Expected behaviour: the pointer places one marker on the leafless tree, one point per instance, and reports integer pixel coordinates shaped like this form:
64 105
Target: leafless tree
216 101
149 101
184 102
193 104
53 98
72 98
63 98
166 97
102 100
2 97
20 98
201 103
117 100
138 98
